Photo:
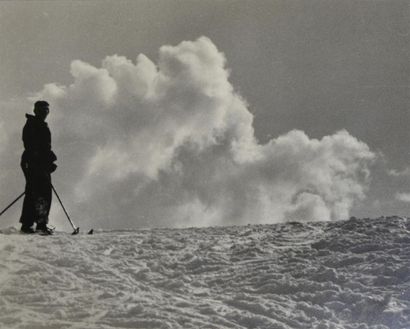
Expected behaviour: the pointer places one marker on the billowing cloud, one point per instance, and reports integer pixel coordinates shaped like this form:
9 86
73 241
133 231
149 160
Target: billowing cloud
404 197
399 173
173 144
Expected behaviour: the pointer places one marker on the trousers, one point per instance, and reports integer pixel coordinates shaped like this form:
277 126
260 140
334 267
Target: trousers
38 195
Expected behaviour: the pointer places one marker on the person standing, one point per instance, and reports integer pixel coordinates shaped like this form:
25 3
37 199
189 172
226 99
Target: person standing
37 163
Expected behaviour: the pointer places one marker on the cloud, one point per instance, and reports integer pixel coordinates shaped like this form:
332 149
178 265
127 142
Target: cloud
173 144
399 173
404 197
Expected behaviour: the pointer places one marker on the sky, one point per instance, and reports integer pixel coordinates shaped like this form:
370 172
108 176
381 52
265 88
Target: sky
197 113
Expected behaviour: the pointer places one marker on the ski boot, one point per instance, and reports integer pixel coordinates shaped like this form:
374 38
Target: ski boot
43 229
26 229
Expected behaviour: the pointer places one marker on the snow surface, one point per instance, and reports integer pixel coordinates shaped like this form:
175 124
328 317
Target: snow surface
349 274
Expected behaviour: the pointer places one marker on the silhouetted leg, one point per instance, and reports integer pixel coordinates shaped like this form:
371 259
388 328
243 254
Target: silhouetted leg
43 200
28 213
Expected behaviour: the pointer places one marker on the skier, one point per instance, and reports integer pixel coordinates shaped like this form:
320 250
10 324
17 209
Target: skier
37 163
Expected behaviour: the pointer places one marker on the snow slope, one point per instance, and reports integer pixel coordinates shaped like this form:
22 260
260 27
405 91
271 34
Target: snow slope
350 274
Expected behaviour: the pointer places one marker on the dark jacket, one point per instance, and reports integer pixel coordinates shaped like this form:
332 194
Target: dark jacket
37 145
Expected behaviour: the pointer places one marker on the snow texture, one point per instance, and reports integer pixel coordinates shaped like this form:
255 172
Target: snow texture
324 275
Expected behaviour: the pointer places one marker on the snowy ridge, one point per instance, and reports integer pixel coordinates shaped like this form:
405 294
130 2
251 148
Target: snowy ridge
349 274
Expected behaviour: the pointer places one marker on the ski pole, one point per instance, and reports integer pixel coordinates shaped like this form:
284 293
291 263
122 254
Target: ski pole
76 229
18 198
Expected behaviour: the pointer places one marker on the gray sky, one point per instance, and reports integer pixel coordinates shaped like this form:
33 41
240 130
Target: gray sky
316 66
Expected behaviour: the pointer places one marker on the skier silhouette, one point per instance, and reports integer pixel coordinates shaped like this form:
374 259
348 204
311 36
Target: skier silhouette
37 162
